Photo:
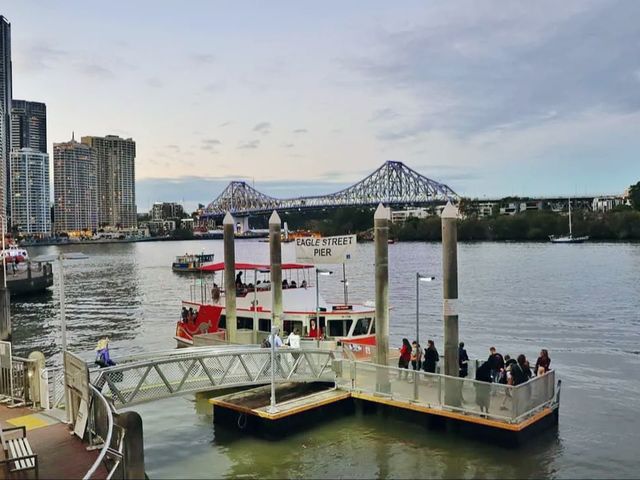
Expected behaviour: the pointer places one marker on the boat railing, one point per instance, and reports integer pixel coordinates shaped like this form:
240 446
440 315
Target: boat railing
496 401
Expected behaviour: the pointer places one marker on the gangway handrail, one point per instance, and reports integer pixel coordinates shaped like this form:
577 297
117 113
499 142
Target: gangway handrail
178 352
201 369
107 441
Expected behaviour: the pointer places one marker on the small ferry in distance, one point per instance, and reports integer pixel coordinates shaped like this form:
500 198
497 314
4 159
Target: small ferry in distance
568 238
14 254
351 325
191 263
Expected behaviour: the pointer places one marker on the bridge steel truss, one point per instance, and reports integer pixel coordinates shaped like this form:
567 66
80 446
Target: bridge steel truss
203 369
393 184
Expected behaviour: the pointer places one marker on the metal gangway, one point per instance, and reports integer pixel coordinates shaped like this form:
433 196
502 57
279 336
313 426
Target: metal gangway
152 376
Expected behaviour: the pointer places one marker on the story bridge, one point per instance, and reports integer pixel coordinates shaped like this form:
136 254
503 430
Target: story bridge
393 184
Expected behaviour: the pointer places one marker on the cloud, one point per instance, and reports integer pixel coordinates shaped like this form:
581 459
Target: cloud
301 130
209 144
252 144
214 87
224 124
173 147
92 69
495 65
154 82
384 114
202 59
262 127
288 145
37 57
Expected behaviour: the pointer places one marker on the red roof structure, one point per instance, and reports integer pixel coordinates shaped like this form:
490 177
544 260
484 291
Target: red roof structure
218 267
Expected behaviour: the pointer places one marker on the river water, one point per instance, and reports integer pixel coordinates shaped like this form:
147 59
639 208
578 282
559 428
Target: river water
582 302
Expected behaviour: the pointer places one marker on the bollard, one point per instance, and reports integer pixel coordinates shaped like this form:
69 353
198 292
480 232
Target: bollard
275 252
381 232
230 277
449 220
131 422
37 391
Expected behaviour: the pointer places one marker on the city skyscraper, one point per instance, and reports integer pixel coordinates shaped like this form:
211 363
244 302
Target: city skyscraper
28 125
75 187
5 110
29 173
116 180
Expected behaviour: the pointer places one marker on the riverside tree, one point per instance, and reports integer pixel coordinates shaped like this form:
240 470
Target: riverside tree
634 194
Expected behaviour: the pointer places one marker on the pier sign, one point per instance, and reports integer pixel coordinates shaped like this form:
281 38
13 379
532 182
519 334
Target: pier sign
338 249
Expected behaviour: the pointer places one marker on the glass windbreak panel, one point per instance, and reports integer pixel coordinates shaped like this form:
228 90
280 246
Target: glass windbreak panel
373 326
362 326
223 321
264 325
339 328
245 323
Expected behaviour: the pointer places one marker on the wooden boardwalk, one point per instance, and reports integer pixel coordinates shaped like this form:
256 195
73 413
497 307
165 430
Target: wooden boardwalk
60 454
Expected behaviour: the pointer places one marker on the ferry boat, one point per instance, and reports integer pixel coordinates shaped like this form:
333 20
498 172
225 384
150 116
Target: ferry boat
14 254
191 263
333 325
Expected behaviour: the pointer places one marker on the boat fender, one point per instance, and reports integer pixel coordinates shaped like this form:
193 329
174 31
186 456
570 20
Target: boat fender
242 421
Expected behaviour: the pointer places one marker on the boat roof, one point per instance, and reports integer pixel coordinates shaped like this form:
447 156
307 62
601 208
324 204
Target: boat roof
219 266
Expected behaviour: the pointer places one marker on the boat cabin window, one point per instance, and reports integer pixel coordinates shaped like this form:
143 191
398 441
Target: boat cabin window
222 323
264 325
245 323
289 326
362 326
373 327
339 328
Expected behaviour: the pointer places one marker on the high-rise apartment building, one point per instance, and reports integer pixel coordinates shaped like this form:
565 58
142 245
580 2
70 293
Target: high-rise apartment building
5 110
28 125
75 187
116 180
29 173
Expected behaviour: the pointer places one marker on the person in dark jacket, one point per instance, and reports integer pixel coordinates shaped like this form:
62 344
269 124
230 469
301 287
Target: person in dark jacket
483 389
496 363
463 361
431 357
543 364
520 372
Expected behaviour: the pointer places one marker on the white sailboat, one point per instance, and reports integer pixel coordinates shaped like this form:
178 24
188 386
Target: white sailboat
568 238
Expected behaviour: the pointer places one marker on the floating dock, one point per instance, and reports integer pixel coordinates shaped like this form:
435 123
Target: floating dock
511 417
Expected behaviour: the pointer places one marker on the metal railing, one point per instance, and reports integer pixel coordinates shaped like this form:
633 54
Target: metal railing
15 384
489 400
54 379
101 430
200 369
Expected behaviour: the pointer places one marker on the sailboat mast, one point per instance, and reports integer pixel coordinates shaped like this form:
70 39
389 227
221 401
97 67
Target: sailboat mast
570 230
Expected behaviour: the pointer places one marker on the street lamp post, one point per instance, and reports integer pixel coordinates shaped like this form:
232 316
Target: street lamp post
63 321
345 284
420 278
318 273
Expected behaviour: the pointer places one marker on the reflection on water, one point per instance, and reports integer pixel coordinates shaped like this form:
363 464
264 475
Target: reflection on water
582 302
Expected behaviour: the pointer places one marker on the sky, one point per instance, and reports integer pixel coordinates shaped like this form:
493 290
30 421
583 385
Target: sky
491 98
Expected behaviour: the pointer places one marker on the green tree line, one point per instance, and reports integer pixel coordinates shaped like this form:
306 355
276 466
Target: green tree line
623 224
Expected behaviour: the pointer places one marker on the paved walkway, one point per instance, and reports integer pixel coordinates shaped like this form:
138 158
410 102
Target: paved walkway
60 454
